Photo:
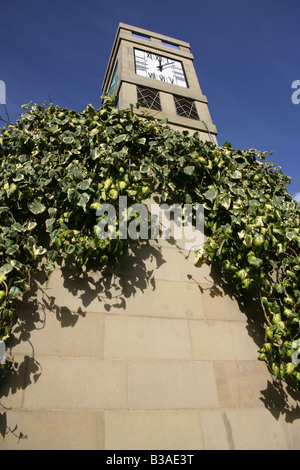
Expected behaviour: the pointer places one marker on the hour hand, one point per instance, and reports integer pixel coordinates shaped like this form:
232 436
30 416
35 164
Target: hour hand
160 66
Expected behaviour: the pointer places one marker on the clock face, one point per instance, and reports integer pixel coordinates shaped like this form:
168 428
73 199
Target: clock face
164 69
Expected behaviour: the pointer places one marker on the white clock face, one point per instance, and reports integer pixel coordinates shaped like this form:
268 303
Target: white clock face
164 69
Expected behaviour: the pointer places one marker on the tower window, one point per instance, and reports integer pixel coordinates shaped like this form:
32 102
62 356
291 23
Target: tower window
140 36
186 107
148 98
169 44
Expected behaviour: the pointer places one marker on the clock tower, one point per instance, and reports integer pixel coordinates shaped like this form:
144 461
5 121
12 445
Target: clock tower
157 72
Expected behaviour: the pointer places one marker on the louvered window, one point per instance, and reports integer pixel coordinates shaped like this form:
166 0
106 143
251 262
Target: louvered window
148 98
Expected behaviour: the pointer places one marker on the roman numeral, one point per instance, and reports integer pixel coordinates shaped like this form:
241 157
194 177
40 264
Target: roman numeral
161 77
166 79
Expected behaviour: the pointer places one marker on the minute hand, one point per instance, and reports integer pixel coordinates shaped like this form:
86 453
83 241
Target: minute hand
160 67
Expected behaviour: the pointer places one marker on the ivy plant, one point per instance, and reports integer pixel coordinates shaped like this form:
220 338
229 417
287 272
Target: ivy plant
58 166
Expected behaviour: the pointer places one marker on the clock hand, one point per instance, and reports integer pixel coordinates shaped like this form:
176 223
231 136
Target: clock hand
167 65
160 65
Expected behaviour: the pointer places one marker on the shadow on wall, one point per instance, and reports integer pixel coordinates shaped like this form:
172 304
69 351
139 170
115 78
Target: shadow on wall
109 289
279 397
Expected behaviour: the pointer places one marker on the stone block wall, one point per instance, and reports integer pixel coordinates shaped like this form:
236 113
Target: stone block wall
151 354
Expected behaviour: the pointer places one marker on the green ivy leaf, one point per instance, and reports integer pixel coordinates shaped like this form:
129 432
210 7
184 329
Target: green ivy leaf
256 262
120 138
72 195
16 264
226 202
39 250
13 250
14 292
52 211
18 177
189 170
236 175
70 249
144 168
68 139
31 226
83 200
242 274
289 368
84 185
6 268
49 224
94 131
36 207
27 105
11 189
211 194
18 227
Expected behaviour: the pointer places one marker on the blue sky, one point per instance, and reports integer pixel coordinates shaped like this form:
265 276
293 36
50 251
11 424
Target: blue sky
247 55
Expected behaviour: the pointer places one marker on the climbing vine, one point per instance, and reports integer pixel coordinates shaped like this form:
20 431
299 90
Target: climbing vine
58 166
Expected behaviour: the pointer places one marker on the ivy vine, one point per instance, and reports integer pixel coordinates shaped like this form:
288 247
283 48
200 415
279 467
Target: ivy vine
58 166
